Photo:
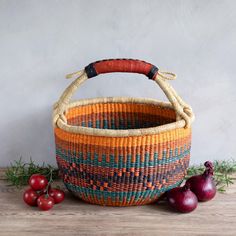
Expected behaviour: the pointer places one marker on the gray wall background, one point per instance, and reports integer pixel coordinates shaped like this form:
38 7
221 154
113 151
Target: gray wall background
41 41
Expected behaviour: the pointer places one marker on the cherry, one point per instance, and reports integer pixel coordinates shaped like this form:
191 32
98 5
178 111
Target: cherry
38 182
30 197
57 194
41 193
45 202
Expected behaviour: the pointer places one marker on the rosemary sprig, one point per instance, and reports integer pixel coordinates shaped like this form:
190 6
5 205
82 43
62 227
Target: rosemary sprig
223 171
19 172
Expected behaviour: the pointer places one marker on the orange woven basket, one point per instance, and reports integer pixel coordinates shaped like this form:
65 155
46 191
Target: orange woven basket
122 151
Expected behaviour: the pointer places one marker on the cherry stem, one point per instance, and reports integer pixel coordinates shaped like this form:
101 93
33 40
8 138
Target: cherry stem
49 182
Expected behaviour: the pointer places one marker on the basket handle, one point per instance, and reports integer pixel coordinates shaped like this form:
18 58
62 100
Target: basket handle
183 110
121 65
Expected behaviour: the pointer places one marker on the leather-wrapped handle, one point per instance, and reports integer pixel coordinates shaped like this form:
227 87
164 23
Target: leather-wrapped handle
121 65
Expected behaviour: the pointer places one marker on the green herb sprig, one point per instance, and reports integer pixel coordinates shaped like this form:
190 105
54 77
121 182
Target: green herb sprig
223 171
19 172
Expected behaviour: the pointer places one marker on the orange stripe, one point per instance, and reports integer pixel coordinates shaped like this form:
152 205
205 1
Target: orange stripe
117 151
134 141
92 199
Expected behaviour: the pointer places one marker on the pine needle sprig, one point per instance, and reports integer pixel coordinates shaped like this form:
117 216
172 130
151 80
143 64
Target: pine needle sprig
19 172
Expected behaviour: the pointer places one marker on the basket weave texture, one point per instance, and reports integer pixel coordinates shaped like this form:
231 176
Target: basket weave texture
120 151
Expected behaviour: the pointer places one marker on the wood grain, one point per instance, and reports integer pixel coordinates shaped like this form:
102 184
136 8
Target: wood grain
74 217
2 173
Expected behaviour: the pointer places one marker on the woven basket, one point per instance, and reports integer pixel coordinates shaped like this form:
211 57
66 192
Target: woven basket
122 151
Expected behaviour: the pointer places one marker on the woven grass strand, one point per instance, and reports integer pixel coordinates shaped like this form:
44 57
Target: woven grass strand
184 114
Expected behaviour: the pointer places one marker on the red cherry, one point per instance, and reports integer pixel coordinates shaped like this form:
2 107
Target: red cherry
30 197
45 202
38 182
57 194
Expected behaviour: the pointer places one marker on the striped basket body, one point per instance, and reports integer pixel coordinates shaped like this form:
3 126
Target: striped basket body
122 151
121 171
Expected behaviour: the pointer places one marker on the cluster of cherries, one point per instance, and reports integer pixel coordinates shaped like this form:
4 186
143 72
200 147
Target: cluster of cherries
198 188
41 194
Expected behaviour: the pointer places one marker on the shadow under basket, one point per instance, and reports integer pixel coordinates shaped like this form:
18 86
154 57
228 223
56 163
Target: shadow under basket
120 151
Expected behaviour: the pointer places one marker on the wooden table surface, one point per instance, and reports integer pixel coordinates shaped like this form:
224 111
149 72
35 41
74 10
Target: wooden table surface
74 217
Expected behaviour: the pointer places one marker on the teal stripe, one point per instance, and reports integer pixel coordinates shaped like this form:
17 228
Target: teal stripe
105 124
73 157
97 124
113 195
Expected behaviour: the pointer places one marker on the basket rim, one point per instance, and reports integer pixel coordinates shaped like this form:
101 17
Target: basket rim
118 133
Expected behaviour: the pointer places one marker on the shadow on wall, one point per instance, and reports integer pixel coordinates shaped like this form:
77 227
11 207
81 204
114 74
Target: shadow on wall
29 136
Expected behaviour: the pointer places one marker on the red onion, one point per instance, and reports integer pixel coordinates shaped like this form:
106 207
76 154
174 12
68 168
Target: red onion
182 199
203 185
